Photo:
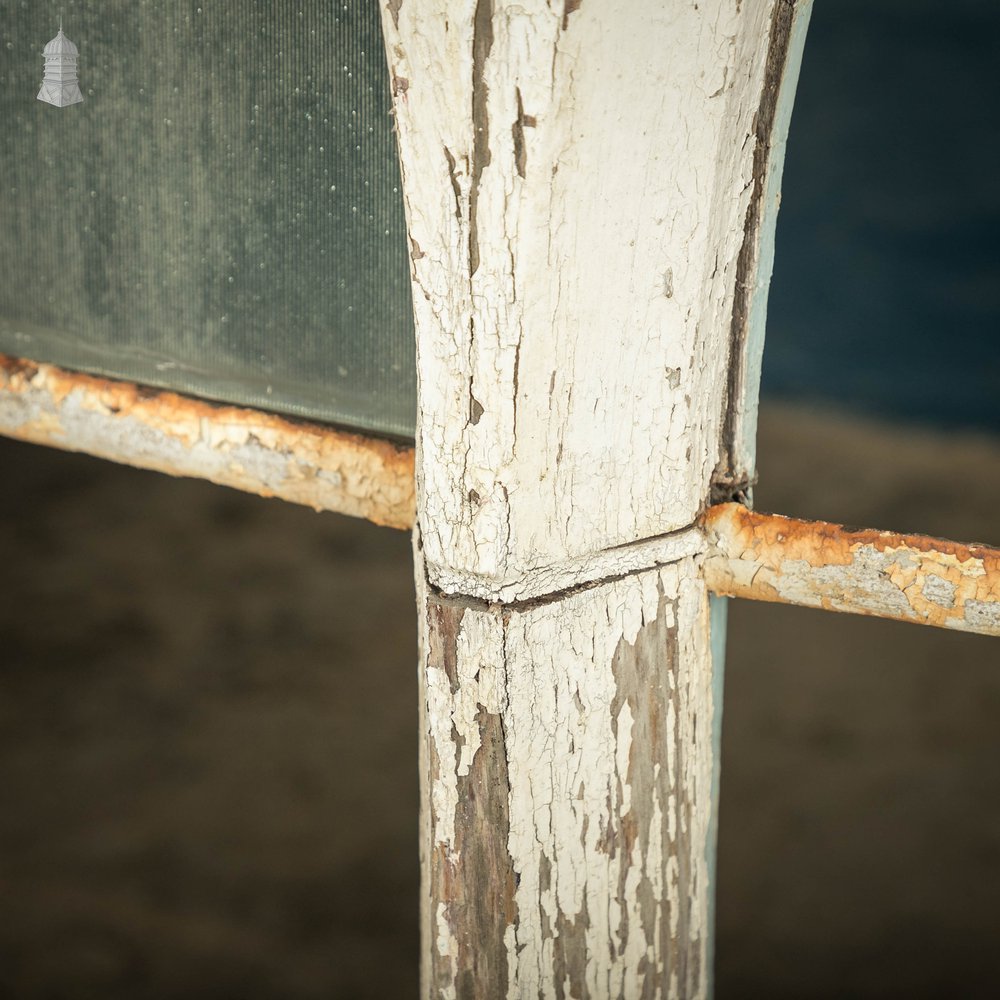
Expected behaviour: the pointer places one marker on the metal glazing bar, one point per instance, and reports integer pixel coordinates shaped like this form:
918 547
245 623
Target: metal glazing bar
306 463
912 578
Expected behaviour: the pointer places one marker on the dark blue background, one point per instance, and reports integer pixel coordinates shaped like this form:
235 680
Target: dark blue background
886 290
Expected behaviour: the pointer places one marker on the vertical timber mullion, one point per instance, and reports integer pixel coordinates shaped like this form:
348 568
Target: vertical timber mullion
569 755
578 177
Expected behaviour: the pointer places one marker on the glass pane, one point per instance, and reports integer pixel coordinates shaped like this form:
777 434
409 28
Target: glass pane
221 215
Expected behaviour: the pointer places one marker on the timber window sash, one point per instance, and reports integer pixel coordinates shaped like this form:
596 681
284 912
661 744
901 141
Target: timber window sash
356 472
586 184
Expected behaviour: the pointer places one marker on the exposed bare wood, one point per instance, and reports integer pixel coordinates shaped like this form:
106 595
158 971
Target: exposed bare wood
570 775
736 471
273 456
912 578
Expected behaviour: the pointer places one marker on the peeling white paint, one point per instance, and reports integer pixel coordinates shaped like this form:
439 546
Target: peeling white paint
567 405
548 671
939 590
577 178
543 580
750 346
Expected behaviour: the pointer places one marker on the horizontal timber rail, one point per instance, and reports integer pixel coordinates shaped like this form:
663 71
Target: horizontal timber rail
911 578
273 456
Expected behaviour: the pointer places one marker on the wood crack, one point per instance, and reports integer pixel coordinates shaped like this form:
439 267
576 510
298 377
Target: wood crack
482 43
470 601
747 260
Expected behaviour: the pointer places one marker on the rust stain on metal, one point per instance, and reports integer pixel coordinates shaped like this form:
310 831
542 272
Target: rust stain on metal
273 456
813 563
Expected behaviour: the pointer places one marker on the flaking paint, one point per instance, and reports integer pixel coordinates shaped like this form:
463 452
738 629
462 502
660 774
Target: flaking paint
320 467
816 564
602 702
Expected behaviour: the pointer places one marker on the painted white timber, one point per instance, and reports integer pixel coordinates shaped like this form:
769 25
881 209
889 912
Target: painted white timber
547 580
748 345
577 178
594 881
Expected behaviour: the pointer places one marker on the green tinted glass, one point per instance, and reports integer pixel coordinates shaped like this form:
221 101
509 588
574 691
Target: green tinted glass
221 215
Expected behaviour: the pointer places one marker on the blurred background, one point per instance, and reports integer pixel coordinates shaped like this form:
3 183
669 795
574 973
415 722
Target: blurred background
208 779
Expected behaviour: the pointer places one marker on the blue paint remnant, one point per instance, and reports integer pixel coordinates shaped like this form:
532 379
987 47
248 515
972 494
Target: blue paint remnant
718 614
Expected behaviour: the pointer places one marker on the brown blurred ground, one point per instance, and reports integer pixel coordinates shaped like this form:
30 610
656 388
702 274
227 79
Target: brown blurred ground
860 816
207 744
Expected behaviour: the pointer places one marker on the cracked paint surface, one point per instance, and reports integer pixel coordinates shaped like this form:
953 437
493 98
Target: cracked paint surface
570 792
908 577
577 176
262 453
555 359
738 452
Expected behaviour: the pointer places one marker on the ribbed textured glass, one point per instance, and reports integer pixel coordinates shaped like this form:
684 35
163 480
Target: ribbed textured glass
221 215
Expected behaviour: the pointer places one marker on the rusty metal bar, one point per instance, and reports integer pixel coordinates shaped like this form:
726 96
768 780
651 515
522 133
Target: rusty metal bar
751 555
766 557
305 463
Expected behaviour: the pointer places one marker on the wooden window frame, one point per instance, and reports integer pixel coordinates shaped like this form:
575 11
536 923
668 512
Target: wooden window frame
567 622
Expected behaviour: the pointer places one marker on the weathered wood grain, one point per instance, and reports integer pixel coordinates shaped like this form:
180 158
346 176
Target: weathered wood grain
577 179
736 472
570 792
